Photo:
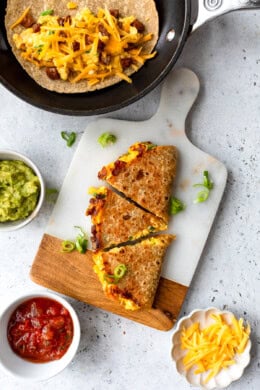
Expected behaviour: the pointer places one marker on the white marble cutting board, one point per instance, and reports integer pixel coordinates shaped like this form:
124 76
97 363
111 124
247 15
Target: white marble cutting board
167 126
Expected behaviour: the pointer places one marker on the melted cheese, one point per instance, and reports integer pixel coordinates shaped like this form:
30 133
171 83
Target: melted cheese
73 48
20 19
72 5
131 155
97 191
215 346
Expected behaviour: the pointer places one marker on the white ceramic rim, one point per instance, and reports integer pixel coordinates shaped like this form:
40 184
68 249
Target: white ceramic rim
177 329
45 370
8 154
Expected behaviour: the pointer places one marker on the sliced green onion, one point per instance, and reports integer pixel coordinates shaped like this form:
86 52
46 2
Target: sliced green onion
81 231
176 205
70 138
47 12
81 242
151 229
106 139
202 196
151 146
67 246
120 271
207 185
206 181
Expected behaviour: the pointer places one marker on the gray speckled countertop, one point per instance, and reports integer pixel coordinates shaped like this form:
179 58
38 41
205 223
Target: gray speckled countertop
116 353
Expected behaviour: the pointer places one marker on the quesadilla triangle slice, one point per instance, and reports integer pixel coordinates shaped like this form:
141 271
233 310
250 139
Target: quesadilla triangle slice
145 174
130 274
115 220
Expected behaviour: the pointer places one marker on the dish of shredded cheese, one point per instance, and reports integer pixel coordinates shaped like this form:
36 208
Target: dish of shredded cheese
86 46
214 347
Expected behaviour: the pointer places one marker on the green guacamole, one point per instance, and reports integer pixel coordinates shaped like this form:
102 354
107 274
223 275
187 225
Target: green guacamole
19 190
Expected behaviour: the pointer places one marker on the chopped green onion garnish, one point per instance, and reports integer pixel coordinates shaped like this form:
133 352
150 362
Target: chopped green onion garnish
106 139
81 231
151 229
81 241
150 146
207 185
70 138
202 196
176 205
67 246
47 12
206 181
81 244
119 272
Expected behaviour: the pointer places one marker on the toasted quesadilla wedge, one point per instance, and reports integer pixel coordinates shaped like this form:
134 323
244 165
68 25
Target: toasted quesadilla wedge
145 174
130 274
115 220
81 46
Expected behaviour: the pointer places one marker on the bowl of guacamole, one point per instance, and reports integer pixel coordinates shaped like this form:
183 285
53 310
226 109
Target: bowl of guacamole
22 190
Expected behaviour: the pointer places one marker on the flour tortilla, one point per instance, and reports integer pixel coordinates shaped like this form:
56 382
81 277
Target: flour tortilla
143 262
152 189
145 13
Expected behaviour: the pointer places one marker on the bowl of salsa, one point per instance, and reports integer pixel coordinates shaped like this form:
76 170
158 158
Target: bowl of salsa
22 190
39 336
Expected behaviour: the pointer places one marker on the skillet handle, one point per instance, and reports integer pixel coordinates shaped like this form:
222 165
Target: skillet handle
205 10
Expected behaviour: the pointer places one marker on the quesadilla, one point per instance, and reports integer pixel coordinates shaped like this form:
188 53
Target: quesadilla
115 220
81 46
145 174
130 274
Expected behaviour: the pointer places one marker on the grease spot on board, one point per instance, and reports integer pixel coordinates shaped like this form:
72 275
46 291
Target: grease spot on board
197 169
173 131
211 160
185 184
52 221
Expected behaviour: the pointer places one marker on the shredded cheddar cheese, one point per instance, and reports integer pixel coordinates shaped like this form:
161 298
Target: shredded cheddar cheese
84 46
71 5
214 347
20 19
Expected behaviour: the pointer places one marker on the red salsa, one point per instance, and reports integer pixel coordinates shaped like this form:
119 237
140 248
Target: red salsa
40 330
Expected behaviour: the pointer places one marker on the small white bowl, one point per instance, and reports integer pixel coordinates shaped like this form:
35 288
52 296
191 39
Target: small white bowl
225 376
6 154
23 369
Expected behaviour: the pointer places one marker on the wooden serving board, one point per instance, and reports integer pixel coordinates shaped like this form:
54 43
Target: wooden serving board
72 274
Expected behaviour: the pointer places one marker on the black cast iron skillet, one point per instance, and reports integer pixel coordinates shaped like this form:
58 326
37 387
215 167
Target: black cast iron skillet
177 18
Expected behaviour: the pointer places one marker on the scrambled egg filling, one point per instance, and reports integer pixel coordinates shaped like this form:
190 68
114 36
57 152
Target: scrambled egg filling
133 152
99 269
85 46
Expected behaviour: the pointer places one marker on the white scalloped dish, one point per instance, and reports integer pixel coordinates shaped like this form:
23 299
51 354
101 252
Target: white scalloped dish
226 375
